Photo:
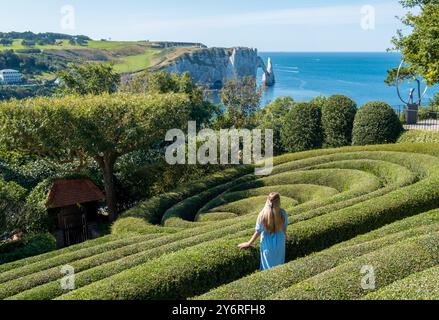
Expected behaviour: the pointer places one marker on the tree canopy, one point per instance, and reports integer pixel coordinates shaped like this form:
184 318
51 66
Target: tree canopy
102 127
241 99
420 48
89 78
162 82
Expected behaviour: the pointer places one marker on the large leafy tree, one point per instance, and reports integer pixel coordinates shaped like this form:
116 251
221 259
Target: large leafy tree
103 127
420 48
162 82
241 99
89 78
272 117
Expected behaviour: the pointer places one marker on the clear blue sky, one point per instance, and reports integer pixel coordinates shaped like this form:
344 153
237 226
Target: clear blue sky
269 25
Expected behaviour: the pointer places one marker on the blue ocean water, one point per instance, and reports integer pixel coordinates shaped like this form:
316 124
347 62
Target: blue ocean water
357 75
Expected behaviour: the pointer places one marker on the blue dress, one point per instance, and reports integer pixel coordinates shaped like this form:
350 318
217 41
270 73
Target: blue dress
272 245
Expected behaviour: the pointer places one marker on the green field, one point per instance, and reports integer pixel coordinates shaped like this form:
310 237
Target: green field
64 44
126 56
136 62
348 208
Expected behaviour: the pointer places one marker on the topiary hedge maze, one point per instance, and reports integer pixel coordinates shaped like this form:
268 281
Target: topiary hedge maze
348 208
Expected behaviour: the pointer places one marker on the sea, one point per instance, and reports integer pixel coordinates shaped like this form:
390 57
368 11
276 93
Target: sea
357 75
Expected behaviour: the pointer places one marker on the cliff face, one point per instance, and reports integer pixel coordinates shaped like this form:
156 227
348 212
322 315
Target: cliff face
213 67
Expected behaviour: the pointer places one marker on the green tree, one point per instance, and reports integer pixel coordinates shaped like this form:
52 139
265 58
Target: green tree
420 48
6 42
104 128
162 82
273 117
89 78
242 99
302 129
338 114
28 43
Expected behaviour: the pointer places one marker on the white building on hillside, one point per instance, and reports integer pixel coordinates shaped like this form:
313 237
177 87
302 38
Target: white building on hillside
9 76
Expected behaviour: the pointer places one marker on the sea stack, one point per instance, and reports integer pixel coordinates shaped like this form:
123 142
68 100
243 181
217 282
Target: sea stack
268 78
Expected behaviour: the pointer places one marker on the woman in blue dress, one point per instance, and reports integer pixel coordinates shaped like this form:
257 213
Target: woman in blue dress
271 226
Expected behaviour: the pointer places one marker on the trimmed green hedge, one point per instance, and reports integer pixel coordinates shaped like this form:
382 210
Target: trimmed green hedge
376 123
175 276
188 208
70 257
305 237
139 225
390 263
413 136
24 262
418 286
338 114
369 195
300 192
152 210
255 286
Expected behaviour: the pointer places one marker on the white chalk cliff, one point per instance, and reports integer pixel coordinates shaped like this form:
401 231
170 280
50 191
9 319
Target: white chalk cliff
213 67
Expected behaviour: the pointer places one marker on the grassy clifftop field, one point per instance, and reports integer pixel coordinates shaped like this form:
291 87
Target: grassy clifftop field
348 208
127 56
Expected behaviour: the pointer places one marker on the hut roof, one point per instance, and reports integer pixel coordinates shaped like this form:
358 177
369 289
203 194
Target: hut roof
70 192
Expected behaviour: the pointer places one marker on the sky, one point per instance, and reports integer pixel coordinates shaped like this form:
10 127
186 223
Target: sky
270 25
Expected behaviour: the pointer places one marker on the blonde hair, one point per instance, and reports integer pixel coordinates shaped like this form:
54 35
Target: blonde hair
270 217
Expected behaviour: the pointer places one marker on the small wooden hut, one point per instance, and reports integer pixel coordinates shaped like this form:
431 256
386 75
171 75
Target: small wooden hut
73 205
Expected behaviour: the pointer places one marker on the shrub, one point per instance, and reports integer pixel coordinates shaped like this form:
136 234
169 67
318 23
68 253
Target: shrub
418 286
140 226
30 245
170 265
273 117
376 123
36 217
5 268
392 263
188 208
192 271
338 116
305 237
254 287
152 210
12 198
302 128
412 136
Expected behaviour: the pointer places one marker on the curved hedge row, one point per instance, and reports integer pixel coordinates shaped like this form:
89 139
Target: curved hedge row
152 210
418 286
390 263
192 271
254 287
331 195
